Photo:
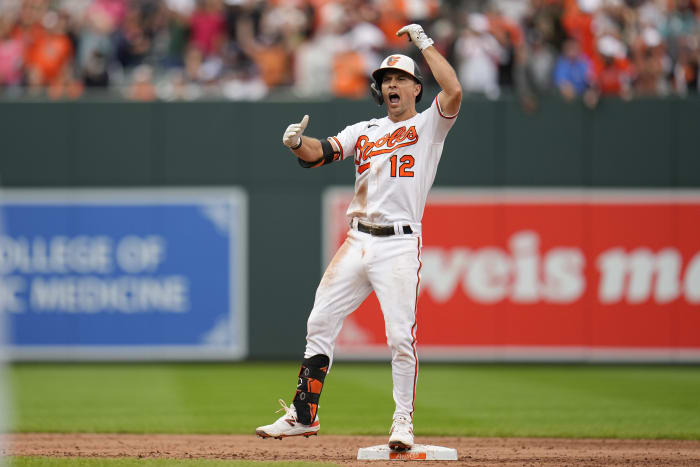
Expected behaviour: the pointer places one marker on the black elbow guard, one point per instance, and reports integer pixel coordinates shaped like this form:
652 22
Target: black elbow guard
307 164
329 155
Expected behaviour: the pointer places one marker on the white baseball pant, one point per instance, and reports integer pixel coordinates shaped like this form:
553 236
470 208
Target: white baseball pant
391 267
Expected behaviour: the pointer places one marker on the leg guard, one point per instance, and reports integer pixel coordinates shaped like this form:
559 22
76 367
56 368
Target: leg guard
313 372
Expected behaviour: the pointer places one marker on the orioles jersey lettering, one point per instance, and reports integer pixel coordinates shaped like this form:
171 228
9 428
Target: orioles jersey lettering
401 137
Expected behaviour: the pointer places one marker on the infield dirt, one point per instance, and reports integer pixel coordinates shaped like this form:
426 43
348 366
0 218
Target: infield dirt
343 449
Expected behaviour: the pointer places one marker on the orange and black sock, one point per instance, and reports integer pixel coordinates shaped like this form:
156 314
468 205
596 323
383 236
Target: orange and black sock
311 376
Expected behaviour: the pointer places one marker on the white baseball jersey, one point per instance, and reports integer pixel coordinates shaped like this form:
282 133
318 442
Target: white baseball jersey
395 164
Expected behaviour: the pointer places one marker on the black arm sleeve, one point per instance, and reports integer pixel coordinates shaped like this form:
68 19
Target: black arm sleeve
329 155
308 165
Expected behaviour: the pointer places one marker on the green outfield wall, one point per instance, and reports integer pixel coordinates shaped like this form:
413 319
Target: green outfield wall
643 143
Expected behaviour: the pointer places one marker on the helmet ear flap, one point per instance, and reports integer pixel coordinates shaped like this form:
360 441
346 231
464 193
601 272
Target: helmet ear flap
376 93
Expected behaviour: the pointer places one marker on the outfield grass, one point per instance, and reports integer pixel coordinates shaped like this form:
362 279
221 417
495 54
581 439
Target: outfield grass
452 400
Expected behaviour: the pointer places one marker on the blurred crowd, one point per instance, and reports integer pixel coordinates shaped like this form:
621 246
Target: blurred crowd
250 49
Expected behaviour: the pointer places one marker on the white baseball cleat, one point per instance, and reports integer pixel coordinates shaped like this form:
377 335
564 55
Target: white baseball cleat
287 425
401 438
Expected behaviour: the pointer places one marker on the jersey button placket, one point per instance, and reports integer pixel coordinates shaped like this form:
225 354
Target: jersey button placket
372 188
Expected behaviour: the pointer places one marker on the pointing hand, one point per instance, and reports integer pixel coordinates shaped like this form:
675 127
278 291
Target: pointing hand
292 135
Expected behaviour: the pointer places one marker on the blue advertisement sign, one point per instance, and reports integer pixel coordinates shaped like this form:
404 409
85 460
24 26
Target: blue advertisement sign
124 274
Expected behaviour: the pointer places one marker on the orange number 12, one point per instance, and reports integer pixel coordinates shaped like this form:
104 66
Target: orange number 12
407 162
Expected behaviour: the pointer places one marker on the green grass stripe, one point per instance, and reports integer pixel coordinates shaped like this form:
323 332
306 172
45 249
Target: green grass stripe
452 399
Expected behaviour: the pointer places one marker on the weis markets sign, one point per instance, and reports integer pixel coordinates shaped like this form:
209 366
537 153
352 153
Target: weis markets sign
123 274
523 274
548 275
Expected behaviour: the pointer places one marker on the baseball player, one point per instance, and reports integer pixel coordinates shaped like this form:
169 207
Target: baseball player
395 160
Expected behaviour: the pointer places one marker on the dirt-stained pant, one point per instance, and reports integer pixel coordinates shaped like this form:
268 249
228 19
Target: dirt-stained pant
391 267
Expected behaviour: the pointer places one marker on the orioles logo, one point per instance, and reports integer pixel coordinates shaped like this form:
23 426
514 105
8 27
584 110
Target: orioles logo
393 60
366 149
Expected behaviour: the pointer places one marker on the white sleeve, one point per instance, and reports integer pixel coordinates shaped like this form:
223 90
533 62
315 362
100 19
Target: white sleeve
347 139
440 123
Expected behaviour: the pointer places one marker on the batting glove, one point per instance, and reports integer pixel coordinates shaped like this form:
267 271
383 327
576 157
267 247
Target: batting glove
416 35
292 135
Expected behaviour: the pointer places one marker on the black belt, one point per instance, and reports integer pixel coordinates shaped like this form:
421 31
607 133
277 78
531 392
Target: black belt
383 231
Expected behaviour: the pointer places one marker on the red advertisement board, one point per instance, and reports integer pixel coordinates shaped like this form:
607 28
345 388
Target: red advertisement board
546 274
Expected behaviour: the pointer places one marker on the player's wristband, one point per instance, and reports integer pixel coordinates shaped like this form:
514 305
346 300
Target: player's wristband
297 146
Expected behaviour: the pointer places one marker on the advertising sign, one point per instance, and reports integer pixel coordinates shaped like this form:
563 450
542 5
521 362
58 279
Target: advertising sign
124 274
546 275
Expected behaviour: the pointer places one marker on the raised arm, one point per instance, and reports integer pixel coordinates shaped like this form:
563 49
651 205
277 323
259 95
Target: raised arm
451 95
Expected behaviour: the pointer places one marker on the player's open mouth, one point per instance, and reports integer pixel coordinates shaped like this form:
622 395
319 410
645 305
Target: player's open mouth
394 98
